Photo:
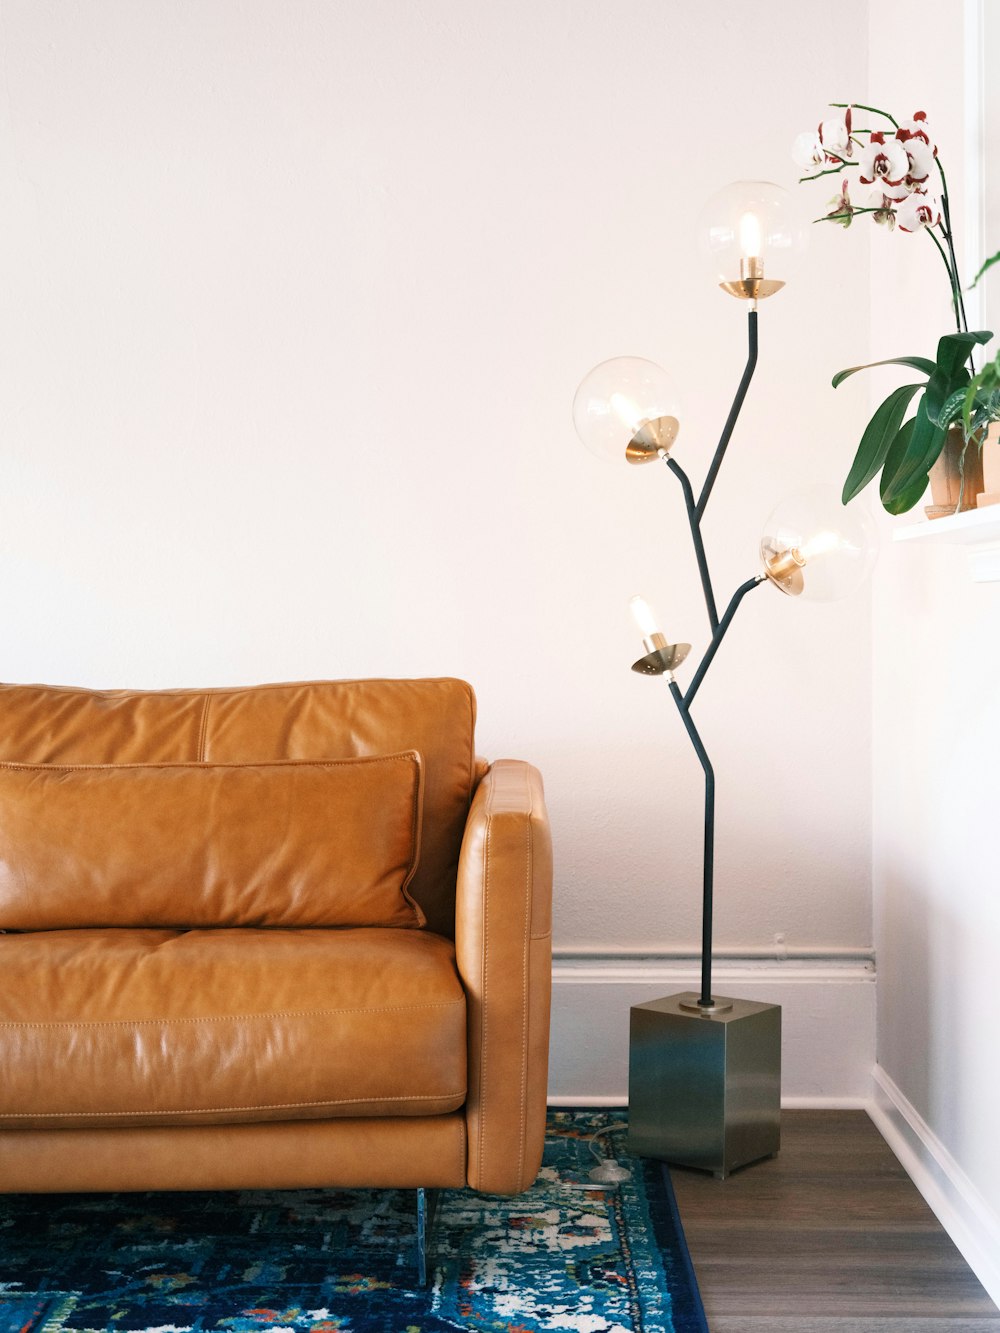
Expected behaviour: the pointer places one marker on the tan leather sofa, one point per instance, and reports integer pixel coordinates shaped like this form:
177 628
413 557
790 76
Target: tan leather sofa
275 937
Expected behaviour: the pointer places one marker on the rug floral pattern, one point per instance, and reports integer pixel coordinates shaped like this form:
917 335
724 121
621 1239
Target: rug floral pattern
562 1258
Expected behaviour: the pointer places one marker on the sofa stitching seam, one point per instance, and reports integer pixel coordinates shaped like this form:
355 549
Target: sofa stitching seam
225 1018
485 1005
203 731
240 763
524 981
219 1110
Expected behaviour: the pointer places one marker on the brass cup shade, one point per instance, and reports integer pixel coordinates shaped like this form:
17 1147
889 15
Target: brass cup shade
752 289
661 656
784 568
652 440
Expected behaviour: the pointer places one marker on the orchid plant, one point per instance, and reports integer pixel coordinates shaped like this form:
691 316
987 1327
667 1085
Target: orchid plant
901 182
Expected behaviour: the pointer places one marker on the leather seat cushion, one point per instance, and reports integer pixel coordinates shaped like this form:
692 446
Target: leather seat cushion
157 1027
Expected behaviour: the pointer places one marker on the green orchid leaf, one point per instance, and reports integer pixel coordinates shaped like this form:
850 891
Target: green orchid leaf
879 435
993 259
920 363
954 348
984 385
939 388
895 456
911 496
951 408
925 444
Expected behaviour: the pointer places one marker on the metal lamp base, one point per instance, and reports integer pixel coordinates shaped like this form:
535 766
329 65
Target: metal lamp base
705 1086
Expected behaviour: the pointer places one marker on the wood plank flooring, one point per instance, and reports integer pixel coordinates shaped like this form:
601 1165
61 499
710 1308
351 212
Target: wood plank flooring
830 1236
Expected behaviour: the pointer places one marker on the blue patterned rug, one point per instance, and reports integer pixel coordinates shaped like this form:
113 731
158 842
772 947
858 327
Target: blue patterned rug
562 1257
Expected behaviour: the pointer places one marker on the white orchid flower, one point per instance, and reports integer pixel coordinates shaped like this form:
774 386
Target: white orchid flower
884 161
873 196
917 128
919 209
835 136
921 159
897 193
807 151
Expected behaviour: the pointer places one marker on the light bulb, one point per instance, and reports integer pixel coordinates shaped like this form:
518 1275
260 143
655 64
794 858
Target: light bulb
660 656
816 547
750 236
626 410
820 543
642 613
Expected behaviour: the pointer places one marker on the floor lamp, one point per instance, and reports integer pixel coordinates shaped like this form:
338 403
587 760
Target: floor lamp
705 1070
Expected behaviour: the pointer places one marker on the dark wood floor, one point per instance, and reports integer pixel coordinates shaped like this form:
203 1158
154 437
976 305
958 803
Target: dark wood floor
830 1236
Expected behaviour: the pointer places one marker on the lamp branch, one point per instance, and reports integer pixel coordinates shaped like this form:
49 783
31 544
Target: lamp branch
734 412
699 545
719 634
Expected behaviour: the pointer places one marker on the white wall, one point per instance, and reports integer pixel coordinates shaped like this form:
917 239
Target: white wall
936 729
294 302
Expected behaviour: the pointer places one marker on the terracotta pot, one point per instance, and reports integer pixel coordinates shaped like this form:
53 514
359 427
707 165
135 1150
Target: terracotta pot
948 494
991 467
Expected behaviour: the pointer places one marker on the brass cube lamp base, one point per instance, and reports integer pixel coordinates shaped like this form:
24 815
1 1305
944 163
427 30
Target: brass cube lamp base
705 1088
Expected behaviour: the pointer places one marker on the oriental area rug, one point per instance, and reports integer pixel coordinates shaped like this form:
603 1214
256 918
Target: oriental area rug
565 1257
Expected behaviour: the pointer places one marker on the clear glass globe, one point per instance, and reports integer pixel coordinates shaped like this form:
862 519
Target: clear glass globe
751 235
626 410
814 546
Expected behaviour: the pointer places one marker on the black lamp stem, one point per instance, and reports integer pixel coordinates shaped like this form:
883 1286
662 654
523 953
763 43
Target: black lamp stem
708 862
683 701
708 867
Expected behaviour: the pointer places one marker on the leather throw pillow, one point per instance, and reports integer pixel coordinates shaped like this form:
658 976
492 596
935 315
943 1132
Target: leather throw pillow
285 843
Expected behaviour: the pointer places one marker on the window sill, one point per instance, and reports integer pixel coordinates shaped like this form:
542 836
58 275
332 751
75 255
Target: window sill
977 529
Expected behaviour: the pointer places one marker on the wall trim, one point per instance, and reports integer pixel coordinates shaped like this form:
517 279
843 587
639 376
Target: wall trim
678 972
777 952
951 1195
828 1017
788 1103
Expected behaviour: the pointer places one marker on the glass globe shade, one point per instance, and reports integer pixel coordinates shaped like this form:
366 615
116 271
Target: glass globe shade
625 410
751 235
815 546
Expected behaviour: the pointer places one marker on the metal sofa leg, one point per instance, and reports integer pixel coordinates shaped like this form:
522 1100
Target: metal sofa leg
427 1201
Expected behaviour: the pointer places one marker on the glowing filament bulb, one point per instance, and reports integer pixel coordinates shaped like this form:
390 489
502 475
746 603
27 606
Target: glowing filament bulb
642 613
626 410
750 239
819 544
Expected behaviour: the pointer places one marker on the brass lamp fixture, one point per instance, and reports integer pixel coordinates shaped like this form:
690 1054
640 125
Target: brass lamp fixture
627 410
751 239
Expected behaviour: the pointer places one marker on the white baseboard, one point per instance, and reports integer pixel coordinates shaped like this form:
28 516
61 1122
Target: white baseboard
789 1103
828 1021
958 1205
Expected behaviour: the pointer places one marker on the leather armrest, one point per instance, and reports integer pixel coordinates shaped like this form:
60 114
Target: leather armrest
503 938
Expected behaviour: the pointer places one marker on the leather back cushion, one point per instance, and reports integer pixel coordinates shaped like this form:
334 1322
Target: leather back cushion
42 724
182 845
